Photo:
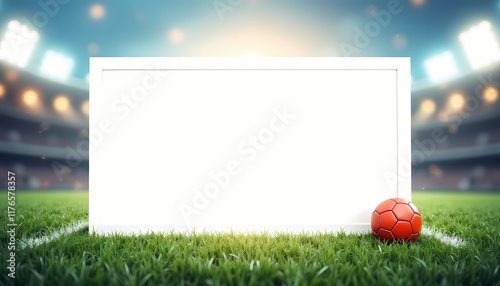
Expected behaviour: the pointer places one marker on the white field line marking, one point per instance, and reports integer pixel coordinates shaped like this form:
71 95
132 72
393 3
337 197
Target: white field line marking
71 228
76 226
444 238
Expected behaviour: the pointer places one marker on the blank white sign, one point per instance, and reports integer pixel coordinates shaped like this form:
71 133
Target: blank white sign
246 144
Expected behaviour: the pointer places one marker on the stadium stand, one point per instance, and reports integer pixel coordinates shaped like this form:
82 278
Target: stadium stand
42 121
38 132
466 114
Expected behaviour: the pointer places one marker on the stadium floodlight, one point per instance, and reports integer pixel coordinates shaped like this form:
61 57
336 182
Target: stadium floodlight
480 45
18 43
61 104
456 101
427 106
2 91
490 94
56 65
441 67
31 98
85 108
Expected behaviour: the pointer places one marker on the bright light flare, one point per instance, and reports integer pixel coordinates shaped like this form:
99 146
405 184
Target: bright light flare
18 44
176 36
480 45
56 65
61 103
490 94
97 11
456 101
260 39
2 91
417 2
85 108
441 67
31 98
426 110
427 106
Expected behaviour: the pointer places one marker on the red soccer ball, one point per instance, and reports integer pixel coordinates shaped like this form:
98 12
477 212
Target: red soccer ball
396 220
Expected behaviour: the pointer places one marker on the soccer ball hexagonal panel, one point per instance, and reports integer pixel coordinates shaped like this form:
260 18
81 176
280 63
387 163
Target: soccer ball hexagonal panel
396 220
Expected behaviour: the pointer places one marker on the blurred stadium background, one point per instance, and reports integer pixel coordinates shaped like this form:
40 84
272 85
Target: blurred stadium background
45 45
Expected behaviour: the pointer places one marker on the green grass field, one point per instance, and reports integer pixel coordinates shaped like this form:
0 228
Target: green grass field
228 259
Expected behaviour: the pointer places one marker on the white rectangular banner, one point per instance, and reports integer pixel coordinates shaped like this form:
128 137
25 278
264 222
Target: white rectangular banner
246 144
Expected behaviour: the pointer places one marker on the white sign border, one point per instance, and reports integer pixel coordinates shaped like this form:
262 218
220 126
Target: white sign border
402 66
